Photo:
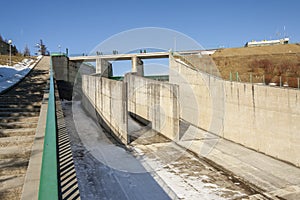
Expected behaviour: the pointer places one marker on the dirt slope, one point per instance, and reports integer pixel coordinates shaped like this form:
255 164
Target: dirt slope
266 64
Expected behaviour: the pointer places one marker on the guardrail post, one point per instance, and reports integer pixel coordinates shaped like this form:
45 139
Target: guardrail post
280 81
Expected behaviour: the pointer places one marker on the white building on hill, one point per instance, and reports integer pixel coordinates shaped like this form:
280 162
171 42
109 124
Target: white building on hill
267 42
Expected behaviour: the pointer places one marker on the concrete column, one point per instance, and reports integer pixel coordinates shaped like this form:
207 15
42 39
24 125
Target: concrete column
60 67
104 67
137 66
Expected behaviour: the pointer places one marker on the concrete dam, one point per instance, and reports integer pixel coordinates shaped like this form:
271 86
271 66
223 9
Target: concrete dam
217 120
259 117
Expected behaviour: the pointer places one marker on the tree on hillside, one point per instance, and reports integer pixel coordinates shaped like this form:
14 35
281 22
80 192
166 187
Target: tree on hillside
42 48
14 50
26 51
1 38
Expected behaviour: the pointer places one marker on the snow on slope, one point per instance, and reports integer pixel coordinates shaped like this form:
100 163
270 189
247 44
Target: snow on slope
10 75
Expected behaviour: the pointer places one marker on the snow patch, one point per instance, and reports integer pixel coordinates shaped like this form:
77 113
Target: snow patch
10 75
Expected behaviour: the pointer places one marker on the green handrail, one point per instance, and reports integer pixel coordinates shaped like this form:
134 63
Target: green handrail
58 54
48 180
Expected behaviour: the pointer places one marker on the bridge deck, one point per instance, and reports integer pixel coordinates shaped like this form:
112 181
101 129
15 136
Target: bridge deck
121 56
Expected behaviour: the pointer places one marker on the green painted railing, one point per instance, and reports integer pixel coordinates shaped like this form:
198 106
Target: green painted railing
48 180
58 54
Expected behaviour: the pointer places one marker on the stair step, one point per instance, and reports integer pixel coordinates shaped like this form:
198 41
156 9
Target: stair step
16 169
15 152
9 165
23 98
18 119
28 106
17 132
12 189
19 103
19 114
15 140
13 125
7 109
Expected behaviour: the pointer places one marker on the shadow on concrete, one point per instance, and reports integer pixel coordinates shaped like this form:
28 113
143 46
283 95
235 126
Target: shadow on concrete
100 180
68 186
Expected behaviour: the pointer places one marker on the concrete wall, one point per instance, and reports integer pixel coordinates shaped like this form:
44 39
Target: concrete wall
60 67
108 99
201 96
201 62
65 70
264 118
260 117
154 101
67 73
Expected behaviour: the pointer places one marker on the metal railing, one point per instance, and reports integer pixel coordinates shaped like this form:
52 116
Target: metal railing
48 188
264 79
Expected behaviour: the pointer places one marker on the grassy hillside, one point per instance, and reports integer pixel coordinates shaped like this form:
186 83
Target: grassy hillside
267 63
4 59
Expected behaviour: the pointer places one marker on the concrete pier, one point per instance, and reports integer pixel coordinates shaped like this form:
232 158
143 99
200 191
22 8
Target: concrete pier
104 67
137 66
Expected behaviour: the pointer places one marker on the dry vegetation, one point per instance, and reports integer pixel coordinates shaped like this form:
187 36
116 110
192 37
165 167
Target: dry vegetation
269 63
4 59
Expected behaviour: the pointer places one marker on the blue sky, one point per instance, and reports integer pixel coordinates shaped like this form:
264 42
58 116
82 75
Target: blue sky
81 25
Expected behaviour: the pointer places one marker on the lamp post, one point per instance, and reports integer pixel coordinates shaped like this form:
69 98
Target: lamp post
9 42
39 51
59 48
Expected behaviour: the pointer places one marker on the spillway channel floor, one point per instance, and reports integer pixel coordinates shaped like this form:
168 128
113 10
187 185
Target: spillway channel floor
151 167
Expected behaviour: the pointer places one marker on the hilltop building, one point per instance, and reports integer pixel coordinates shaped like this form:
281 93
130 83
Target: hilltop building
267 42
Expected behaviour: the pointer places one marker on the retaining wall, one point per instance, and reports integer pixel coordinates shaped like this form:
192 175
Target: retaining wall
156 102
69 71
260 117
66 73
107 98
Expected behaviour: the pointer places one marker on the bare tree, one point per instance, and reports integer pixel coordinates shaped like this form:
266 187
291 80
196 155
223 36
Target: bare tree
42 48
26 51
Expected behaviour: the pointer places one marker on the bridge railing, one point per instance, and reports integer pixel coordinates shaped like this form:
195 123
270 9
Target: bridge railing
48 188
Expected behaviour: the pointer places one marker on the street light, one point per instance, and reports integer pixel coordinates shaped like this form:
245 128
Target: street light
10 42
38 46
